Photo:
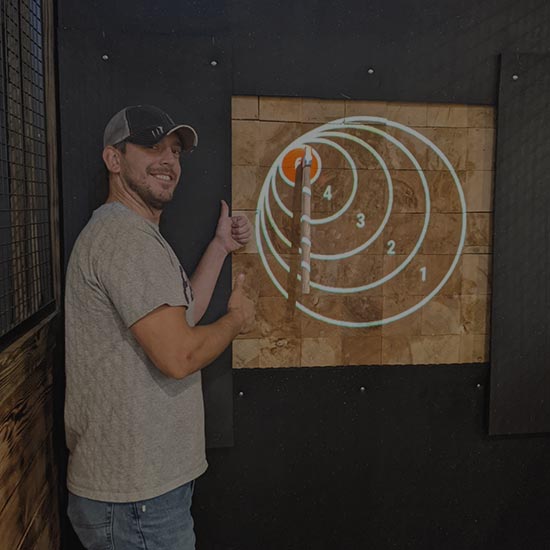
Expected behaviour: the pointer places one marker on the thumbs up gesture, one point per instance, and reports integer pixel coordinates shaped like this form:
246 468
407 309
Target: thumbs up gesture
232 232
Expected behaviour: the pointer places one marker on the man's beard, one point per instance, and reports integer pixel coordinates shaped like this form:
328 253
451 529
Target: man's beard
146 195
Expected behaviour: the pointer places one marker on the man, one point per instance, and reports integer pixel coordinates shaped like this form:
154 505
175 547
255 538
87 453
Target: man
134 410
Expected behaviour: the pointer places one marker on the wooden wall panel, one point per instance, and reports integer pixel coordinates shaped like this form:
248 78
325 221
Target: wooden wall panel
27 469
47 519
25 424
43 532
23 505
51 129
29 481
401 209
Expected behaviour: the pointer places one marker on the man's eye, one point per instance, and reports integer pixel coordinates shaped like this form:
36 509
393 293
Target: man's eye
176 151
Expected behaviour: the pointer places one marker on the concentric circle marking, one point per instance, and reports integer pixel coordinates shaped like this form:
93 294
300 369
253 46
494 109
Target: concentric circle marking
343 210
336 129
287 167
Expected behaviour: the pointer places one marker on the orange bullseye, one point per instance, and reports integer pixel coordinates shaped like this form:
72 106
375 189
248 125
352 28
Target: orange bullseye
290 161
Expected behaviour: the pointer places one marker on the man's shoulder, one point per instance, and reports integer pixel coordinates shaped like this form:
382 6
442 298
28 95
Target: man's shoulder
115 214
112 227
115 222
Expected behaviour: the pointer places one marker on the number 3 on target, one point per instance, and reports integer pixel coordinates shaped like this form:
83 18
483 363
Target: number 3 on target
360 220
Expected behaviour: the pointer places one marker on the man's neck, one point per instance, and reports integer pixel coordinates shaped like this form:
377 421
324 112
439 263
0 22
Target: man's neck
134 204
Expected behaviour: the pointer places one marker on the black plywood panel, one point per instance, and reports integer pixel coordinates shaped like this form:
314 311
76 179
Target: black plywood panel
429 51
189 16
520 346
319 464
420 51
101 72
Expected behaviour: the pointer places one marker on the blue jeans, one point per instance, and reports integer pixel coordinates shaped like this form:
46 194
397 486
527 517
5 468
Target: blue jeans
160 523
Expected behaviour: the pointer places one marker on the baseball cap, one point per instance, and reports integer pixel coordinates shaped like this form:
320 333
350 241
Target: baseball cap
146 125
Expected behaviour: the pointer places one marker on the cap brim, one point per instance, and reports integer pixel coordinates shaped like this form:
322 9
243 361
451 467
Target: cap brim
188 136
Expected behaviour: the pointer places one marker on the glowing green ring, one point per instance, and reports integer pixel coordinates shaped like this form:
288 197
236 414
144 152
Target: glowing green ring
351 324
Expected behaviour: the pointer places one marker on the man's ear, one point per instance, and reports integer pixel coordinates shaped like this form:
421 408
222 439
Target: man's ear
111 158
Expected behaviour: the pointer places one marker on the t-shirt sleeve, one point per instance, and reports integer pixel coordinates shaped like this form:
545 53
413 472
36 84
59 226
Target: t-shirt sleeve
140 275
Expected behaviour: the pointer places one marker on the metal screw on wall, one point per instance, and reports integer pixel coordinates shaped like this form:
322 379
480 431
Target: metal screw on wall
370 70
241 394
105 57
515 77
214 63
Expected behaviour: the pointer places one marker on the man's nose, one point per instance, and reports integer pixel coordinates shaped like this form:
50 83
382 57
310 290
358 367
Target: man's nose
168 156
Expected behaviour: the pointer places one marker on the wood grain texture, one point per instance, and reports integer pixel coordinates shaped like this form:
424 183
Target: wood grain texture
26 418
43 532
21 357
51 143
25 422
37 482
432 306
29 485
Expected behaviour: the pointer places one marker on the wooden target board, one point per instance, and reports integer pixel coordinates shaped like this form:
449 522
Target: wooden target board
400 231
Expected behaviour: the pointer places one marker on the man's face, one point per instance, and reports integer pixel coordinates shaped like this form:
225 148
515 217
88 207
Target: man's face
152 172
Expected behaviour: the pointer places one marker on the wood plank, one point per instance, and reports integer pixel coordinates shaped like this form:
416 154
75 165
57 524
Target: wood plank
26 414
25 422
43 532
23 356
35 484
51 143
29 514
49 538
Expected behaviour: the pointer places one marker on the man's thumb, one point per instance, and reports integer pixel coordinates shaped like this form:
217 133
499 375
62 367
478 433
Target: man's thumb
225 209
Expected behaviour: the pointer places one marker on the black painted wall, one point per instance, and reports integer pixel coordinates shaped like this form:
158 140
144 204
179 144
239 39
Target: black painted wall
357 458
316 462
520 381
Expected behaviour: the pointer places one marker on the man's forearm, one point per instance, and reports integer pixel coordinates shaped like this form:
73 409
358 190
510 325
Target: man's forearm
209 342
206 275
178 349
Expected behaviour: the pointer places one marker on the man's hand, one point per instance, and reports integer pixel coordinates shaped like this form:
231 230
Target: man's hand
242 306
232 232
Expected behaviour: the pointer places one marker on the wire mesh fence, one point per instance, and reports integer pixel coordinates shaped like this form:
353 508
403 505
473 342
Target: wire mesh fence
26 284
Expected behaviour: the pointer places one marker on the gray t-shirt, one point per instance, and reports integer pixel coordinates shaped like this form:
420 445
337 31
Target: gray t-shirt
132 432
